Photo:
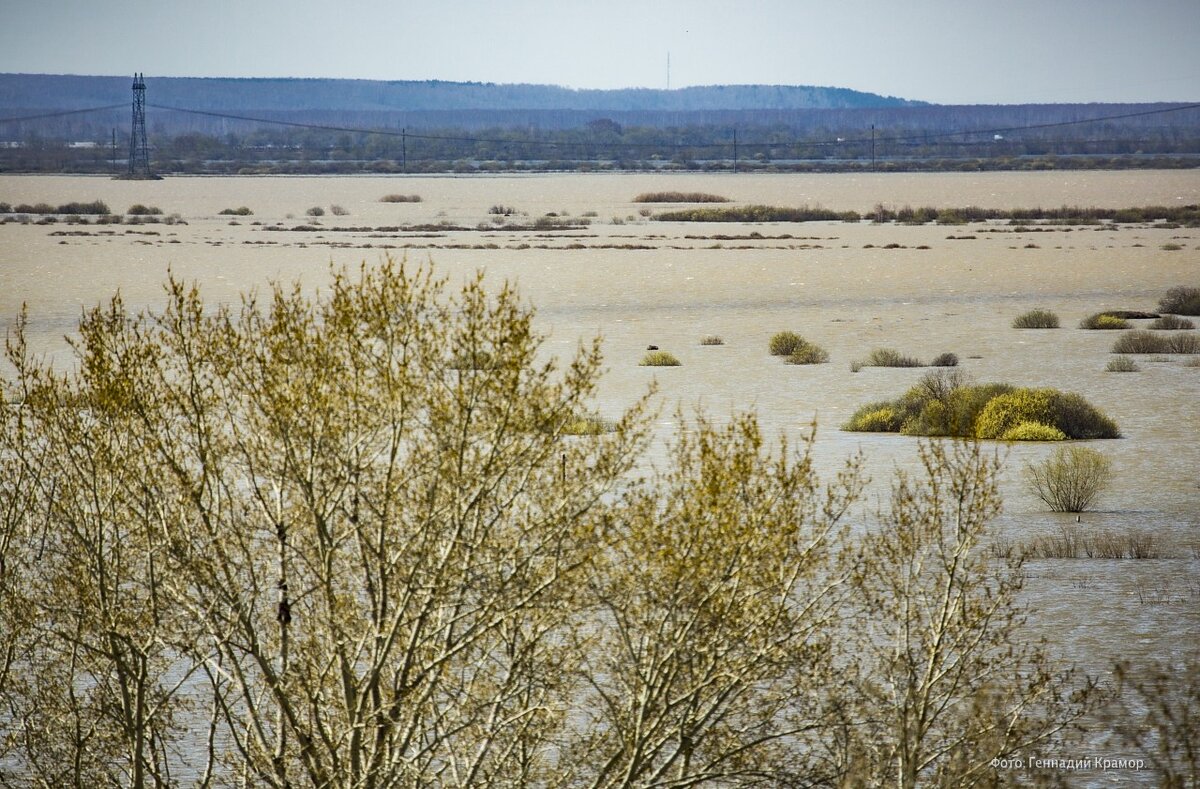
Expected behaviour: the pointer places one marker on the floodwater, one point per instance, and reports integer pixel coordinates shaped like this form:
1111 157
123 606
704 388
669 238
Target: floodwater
638 282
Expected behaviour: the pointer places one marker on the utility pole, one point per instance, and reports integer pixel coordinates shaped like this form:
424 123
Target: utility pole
112 159
872 147
404 150
735 150
668 69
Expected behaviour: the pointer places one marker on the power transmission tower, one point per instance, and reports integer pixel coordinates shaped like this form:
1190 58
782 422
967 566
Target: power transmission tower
139 149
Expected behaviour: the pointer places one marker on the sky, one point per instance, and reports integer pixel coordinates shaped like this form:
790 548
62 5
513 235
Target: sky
942 51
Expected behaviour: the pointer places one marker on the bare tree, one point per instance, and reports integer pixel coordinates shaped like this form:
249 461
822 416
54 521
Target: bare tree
947 682
710 649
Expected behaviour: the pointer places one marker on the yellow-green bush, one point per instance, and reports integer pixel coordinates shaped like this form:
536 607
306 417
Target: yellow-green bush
1005 412
1033 431
807 353
874 418
942 404
659 359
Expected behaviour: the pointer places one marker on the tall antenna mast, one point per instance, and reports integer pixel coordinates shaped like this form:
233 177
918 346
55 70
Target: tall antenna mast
668 69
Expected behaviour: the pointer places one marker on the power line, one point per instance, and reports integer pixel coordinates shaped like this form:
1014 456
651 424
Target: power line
915 137
920 136
61 114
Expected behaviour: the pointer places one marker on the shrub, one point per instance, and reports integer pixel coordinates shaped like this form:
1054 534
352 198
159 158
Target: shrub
1170 322
587 425
1142 342
1185 343
712 339
1171 247
945 360
887 357
785 343
95 207
874 418
338 210
1033 431
1181 301
137 209
1070 478
502 210
807 353
394 198
1068 412
1121 364
679 197
316 210
1005 412
659 359
1036 319
1150 342
1103 320
242 211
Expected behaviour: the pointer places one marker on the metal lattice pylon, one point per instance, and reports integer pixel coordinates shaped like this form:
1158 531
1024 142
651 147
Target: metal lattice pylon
139 149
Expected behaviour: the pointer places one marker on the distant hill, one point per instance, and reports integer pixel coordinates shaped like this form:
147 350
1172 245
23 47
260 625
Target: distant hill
55 92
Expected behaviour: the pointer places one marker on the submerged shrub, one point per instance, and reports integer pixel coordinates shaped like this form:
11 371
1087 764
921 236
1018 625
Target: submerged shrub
887 357
241 211
316 210
712 339
1033 431
659 359
395 198
137 209
808 353
587 425
1070 478
1181 301
874 418
1152 342
1036 319
679 197
785 343
1171 322
945 360
1103 320
1121 364
943 404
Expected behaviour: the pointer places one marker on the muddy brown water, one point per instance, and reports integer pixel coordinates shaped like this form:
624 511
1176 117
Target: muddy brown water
638 282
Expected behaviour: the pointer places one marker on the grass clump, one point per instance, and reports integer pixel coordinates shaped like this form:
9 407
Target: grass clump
1150 342
807 353
1104 320
887 357
1171 247
397 198
1121 364
659 359
1072 542
1181 301
943 403
1033 431
241 211
1070 479
679 197
1036 319
712 339
1171 322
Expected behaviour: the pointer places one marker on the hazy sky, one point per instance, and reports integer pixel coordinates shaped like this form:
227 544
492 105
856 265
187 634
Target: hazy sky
946 51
